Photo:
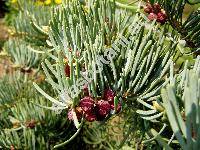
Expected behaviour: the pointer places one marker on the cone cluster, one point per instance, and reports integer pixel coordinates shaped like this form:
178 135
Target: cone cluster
95 110
155 12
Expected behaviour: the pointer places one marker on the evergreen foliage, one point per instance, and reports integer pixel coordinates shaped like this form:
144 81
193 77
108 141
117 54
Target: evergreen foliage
85 48
181 101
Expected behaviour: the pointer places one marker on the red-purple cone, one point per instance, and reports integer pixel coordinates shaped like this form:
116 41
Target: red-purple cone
152 16
103 108
161 17
90 116
109 95
156 8
87 104
148 8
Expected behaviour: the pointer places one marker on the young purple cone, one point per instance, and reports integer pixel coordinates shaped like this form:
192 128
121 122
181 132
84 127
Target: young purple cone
87 104
161 17
90 116
156 8
103 108
152 16
148 8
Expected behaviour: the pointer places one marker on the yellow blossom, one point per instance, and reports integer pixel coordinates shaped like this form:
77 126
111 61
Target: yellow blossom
58 1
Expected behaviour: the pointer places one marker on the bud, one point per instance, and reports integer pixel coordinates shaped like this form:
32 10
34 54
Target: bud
31 124
70 49
67 70
78 54
103 108
87 104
